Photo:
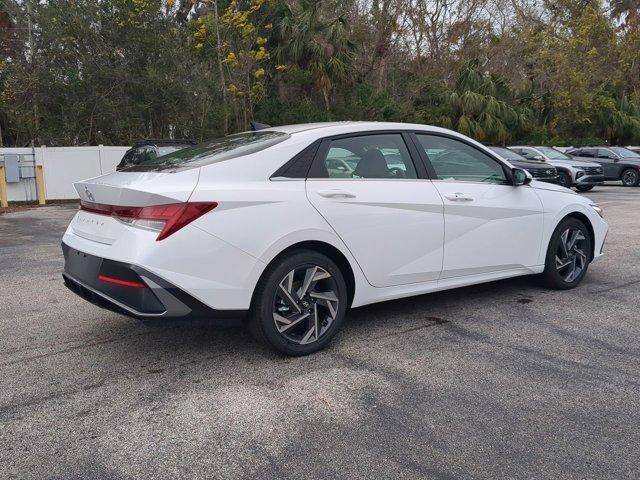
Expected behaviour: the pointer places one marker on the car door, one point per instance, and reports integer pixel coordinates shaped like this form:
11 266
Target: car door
610 163
490 225
388 214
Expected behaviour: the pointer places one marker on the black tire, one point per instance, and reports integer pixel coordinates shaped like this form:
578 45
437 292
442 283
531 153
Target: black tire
584 188
630 177
564 179
558 278
266 304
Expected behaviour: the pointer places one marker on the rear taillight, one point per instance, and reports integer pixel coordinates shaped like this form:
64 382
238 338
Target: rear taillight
166 219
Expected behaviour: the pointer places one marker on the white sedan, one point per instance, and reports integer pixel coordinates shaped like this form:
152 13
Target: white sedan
295 224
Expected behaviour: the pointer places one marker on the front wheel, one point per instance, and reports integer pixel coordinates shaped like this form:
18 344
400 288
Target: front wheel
299 303
584 188
564 180
568 255
630 177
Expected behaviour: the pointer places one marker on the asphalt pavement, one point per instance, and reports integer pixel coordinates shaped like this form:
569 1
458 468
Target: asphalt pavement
502 380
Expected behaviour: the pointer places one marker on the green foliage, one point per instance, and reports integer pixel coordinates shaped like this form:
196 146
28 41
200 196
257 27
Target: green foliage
113 71
478 105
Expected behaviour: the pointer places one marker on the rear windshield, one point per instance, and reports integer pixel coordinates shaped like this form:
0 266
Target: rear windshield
166 149
213 151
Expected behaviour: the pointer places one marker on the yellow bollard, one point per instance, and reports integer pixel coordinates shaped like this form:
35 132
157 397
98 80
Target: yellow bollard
4 203
42 194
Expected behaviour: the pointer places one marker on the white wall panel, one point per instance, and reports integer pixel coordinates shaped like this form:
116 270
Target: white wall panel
62 167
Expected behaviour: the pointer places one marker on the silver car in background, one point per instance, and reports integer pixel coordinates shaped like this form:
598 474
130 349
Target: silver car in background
580 174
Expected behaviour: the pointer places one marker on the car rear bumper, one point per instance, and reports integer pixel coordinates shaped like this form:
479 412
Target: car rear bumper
131 290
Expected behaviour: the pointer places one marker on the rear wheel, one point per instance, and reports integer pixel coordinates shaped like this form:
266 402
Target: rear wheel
564 179
568 255
584 188
299 303
630 177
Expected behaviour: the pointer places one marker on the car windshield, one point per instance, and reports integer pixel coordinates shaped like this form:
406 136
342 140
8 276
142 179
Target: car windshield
624 152
553 154
507 154
213 151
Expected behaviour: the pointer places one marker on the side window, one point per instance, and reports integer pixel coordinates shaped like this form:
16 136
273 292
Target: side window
369 156
528 153
585 152
605 153
455 160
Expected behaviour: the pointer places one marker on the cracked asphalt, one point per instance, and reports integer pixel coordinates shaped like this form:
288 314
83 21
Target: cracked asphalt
502 380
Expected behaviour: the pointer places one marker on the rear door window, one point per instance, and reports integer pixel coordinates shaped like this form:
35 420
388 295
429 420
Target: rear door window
369 156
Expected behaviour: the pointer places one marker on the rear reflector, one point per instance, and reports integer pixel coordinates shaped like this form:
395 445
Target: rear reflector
122 283
165 219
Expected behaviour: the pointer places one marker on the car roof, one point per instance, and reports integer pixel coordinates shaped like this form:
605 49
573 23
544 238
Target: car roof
335 128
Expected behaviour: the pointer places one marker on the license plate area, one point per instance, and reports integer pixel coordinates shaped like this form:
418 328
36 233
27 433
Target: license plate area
97 228
86 268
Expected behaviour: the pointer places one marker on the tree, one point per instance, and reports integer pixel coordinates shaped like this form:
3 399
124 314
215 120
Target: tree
316 41
479 105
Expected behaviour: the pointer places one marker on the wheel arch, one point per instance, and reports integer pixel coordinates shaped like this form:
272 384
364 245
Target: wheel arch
326 249
629 166
584 219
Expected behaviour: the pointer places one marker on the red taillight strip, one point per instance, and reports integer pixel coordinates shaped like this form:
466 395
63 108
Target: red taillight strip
175 215
99 208
122 283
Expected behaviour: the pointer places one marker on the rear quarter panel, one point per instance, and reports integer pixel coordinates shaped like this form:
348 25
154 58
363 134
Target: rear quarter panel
263 218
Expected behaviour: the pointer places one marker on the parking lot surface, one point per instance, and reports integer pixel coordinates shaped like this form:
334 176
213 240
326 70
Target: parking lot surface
502 380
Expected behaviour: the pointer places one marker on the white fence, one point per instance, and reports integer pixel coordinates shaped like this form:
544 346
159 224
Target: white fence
62 167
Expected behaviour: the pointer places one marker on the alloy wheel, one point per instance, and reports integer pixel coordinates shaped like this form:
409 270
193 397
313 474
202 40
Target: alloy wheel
305 304
564 181
630 177
571 258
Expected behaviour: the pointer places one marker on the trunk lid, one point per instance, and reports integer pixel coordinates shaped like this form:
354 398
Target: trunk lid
139 189
128 189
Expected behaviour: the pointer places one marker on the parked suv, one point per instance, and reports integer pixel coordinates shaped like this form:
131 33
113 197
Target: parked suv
577 173
539 169
619 163
149 149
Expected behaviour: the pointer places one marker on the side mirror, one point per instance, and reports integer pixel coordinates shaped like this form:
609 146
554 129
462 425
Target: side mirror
520 177
538 157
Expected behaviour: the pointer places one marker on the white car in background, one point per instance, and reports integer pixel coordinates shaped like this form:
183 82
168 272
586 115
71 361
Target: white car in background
295 224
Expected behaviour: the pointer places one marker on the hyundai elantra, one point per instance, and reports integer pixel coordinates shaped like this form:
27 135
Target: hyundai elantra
291 226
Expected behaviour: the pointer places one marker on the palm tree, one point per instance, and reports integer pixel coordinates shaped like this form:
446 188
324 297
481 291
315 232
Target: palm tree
626 10
317 44
482 106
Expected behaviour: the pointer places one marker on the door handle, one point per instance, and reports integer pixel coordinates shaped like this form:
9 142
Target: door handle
458 197
335 192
